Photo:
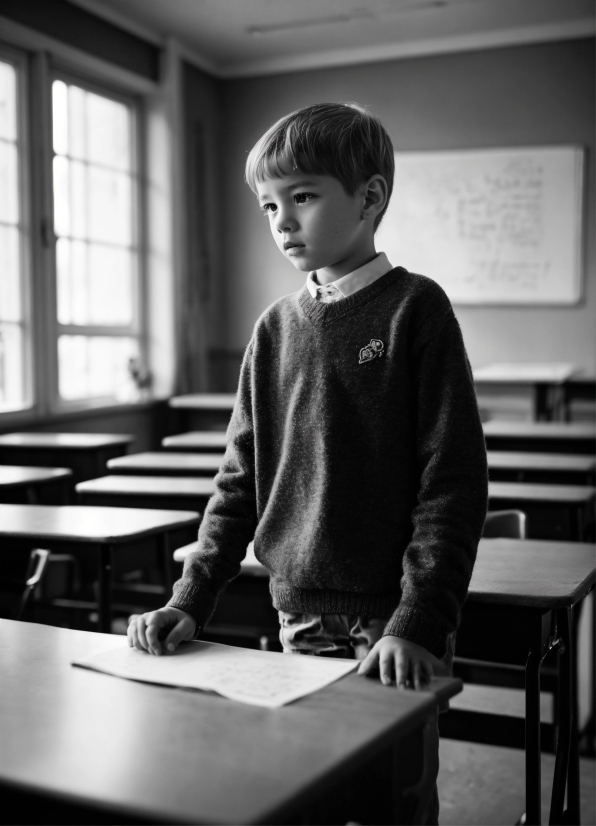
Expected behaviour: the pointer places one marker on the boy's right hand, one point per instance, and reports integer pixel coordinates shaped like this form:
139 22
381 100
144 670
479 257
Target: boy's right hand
146 631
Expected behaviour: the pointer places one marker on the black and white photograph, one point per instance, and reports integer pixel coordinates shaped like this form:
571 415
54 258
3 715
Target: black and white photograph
297 412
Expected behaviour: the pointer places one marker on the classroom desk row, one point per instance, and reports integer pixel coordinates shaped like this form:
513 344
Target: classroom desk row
519 607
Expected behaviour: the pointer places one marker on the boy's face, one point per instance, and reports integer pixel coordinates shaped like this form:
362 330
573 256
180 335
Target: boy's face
315 223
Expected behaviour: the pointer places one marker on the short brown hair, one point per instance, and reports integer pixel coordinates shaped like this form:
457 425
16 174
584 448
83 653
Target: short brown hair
339 139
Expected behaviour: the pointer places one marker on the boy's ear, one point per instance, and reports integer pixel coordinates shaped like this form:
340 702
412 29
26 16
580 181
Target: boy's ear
375 197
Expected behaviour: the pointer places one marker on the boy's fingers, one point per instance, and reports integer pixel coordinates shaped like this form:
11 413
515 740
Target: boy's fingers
141 633
385 663
154 625
178 633
401 670
427 671
417 675
368 663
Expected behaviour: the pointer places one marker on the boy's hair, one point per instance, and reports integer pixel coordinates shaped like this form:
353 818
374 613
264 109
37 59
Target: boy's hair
339 139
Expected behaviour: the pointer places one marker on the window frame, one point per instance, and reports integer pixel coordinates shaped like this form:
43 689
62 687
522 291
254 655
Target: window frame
138 327
19 59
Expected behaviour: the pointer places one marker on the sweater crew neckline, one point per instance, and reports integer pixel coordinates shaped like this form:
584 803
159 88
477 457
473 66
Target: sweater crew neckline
321 313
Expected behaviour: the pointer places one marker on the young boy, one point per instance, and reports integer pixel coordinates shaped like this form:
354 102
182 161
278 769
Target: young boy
355 455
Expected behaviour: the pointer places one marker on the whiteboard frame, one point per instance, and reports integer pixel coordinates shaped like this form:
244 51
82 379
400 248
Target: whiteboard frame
577 288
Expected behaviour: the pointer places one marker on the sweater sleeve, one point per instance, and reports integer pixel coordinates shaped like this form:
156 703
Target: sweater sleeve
449 514
230 518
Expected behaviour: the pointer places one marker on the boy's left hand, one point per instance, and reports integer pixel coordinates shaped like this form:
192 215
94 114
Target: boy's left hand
413 664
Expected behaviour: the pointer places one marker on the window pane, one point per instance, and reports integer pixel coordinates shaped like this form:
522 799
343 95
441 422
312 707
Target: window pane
9 186
110 271
10 272
96 366
60 117
61 197
8 101
12 391
76 122
108 132
110 214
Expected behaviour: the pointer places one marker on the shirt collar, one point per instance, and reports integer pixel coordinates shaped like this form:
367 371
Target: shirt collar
354 281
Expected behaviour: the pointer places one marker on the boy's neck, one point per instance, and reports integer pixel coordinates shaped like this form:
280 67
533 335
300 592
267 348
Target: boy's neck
326 275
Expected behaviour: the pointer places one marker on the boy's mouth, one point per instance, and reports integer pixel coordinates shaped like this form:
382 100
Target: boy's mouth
292 245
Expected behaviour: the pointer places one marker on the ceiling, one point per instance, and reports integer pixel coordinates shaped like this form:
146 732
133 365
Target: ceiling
232 38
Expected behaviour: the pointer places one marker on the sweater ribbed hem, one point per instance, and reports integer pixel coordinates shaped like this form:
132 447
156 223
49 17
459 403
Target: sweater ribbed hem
419 627
287 597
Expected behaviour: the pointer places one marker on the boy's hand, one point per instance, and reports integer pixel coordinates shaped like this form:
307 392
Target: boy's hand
146 631
413 664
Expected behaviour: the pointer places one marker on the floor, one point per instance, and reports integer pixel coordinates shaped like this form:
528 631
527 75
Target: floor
484 785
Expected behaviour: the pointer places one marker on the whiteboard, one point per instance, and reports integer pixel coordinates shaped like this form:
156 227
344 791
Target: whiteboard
491 226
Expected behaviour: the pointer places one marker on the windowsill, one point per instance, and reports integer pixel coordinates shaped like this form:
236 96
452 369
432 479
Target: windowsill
31 417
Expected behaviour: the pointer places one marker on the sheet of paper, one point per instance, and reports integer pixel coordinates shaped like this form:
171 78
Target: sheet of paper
261 678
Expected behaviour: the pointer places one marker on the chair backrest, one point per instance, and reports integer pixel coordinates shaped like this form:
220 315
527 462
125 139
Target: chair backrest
38 560
511 524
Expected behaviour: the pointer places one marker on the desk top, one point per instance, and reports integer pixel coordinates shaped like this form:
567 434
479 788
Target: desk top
250 564
169 461
191 486
14 476
518 460
528 373
78 523
181 756
204 401
532 573
65 441
531 492
211 439
540 430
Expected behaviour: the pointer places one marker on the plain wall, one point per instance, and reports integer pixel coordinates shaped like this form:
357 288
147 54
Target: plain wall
516 96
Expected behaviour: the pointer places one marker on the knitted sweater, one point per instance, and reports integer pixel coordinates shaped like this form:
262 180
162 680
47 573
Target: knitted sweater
356 461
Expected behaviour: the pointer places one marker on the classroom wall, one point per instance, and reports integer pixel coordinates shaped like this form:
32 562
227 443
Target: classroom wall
523 95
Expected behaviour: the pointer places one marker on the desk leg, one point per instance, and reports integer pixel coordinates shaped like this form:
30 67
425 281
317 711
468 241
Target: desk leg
105 587
167 563
573 812
533 758
565 716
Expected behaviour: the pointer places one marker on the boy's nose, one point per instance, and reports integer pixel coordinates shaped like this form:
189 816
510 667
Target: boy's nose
284 222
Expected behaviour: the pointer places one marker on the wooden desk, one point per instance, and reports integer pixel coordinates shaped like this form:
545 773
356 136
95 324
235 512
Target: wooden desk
554 511
22 484
519 606
103 529
545 468
540 437
202 411
109 750
167 464
86 454
200 441
165 492
548 382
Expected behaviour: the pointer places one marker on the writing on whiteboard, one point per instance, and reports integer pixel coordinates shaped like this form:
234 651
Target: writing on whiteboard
501 226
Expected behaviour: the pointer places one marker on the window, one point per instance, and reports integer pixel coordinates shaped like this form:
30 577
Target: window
13 332
95 181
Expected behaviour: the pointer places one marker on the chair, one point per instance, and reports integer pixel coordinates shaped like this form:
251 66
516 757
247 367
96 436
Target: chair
38 561
511 524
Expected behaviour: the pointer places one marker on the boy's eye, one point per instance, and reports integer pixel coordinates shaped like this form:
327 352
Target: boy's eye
268 208
303 197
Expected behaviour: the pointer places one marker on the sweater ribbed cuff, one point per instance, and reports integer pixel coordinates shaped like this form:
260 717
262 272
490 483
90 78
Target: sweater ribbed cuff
197 601
419 627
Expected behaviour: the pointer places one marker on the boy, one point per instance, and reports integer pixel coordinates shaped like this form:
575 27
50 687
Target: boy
355 454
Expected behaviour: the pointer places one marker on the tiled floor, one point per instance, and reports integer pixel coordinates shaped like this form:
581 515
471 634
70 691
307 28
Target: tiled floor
481 785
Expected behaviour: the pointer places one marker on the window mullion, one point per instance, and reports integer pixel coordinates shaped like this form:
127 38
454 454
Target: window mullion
43 241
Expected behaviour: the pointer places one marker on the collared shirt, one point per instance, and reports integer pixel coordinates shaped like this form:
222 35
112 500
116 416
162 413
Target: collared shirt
350 283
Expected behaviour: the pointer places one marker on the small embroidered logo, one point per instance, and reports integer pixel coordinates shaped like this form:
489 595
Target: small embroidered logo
375 348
